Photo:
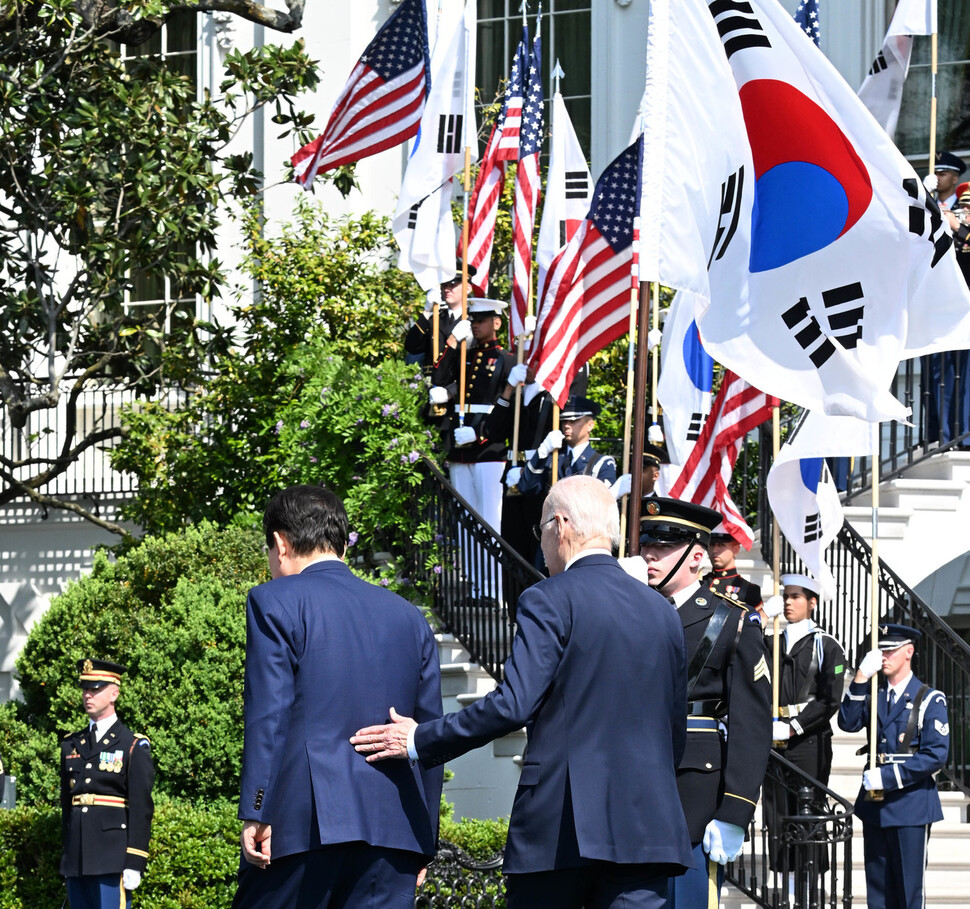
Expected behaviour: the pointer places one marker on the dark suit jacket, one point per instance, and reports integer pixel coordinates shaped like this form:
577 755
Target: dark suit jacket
597 676
326 653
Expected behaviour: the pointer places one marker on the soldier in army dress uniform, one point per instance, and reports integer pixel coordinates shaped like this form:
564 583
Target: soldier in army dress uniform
728 697
106 797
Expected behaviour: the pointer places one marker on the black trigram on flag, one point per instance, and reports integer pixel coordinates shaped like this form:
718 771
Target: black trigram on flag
695 426
878 65
449 133
577 184
939 237
808 333
813 527
727 220
563 239
413 216
844 315
739 28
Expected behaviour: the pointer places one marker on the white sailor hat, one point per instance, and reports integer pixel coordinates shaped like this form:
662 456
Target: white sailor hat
808 584
483 305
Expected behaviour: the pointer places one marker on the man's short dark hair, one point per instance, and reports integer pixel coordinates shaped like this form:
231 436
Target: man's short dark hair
311 518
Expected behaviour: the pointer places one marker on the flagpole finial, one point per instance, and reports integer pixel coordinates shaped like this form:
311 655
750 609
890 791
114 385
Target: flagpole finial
557 73
524 8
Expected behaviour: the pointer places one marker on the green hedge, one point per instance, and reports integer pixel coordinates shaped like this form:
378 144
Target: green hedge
193 856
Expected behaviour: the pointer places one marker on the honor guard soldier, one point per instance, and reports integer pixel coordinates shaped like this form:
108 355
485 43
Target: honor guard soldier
106 797
812 668
419 341
728 697
912 744
475 461
577 455
724 579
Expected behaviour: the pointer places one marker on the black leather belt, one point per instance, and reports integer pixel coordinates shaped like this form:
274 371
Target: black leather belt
704 708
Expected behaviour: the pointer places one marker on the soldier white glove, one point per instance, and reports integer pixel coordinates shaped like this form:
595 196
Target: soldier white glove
723 842
434 299
529 324
438 394
931 183
512 477
462 331
622 487
464 435
655 435
552 442
871 663
131 879
653 338
872 779
517 374
780 731
636 568
774 606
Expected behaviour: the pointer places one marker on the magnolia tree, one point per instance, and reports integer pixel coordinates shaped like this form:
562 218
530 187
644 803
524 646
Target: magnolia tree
111 170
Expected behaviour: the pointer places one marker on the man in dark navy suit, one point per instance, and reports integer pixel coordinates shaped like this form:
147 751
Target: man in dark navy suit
323 648
728 696
597 676
912 744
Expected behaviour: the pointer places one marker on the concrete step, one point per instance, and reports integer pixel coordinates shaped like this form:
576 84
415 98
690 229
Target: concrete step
925 495
892 521
950 465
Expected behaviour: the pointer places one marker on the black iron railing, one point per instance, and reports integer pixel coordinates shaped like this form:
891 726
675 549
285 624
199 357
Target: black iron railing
456 879
800 854
475 575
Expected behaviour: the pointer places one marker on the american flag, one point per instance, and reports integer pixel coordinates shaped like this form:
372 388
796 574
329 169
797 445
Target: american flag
586 300
526 190
806 15
737 409
382 102
503 145
511 119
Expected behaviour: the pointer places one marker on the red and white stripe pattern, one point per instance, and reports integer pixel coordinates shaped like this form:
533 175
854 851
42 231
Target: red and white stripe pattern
483 209
382 102
507 148
586 301
737 409
527 186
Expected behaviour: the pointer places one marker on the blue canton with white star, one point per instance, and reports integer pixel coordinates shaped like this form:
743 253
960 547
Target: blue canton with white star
616 199
530 134
399 45
808 20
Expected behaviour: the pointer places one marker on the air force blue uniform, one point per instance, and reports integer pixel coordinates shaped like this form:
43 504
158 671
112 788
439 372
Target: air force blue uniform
537 474
597 675
324 652
895 830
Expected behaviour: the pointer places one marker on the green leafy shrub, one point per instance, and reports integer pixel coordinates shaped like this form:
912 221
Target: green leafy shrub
172 609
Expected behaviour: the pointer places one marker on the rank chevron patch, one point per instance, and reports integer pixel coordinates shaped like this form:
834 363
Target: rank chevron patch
761 670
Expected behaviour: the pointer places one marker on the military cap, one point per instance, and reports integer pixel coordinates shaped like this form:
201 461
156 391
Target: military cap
484 306
666 520
808 584
457 278
654 455
893 636
948 161
98 673
720 534
578 406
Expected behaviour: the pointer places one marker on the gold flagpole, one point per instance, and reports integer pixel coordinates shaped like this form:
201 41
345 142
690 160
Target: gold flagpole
628 417
464 287
776 572
875 795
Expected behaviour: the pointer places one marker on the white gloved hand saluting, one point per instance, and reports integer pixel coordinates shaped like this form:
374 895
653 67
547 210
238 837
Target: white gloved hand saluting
723 842
871 663
438 394
462 331
552 442
464 435
131 879
774 606
512 477
517 374
931 182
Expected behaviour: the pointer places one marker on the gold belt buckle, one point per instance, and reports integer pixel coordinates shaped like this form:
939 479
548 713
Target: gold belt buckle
86 798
